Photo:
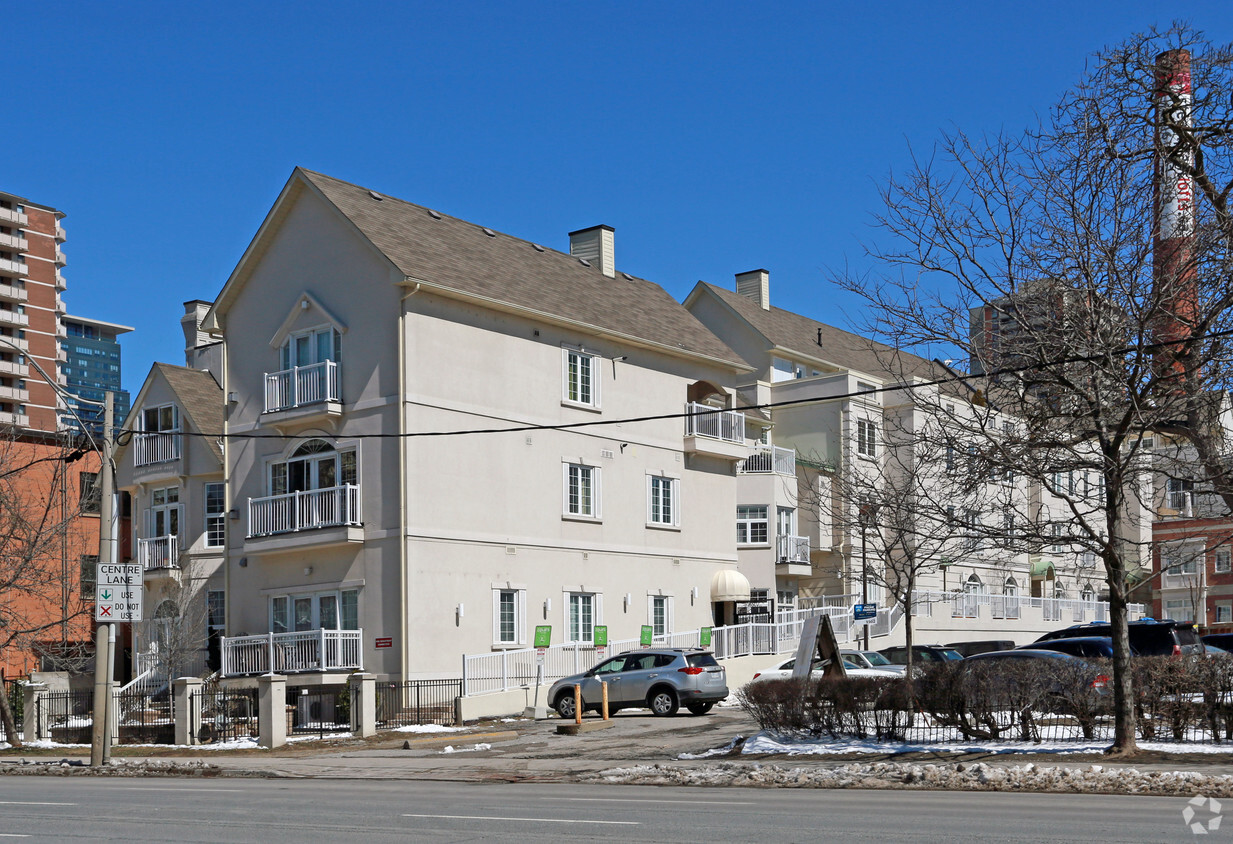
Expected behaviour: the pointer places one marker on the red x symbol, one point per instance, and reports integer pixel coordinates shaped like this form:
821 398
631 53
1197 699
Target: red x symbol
104 611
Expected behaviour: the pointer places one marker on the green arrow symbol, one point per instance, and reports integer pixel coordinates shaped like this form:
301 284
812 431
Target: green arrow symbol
107 595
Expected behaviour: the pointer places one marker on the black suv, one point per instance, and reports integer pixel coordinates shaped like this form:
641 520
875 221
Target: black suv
1148 637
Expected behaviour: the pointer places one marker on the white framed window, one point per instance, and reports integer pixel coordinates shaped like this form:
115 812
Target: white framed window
971 523
215 515
1224 612
581 491
1180 560
581 377
163 517
866 438
1057 531
659 614
1180 610
162 419
316 345
335 609
752 527
663 501
1222 561
509 612
314 465
583 610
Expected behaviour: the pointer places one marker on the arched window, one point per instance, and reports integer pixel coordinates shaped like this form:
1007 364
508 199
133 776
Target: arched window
1088 593
314 464
973 585
1010 587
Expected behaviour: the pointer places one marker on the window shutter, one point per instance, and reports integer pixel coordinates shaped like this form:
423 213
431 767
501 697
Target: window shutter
650 610
670 614
496 616
597 377
147 519
520 617
565 488
599 608
650 499
597 488
676 502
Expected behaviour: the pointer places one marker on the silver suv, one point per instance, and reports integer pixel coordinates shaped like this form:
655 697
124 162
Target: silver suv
661 679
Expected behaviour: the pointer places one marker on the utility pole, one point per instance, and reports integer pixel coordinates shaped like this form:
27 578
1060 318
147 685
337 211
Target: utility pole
105 636
864 576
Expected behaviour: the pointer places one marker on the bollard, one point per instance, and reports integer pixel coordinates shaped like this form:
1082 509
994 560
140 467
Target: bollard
604 686
577 704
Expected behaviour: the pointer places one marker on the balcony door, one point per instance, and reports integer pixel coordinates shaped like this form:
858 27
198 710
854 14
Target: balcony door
309 347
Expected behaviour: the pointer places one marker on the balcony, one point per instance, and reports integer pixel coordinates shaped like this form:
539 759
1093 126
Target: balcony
18 268
13 217
13 293
62 356
60 235
61 283
16 394
158 552
61 308
21 420
715 432
156 447
14 243
279 515
8 342
12 367
14 318
773 460
303 393
60 259
293 653
792 556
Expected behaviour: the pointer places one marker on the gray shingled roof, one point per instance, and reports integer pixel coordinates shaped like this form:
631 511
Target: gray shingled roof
800 334
201 399
455 254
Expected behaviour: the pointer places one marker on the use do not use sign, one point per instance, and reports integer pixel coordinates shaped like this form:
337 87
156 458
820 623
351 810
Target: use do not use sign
118 592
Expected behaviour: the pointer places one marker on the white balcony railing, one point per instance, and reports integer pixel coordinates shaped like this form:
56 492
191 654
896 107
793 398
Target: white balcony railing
14 293
296 511
290 653
13 217
9 418
14 243
792 549
705 421
14 318
301 385
156 447
780 461
158 552
13 267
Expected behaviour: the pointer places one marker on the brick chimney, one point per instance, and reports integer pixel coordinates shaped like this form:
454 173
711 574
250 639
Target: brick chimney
755 285
597 245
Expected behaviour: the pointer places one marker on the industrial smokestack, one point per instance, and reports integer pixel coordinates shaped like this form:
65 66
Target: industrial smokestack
1173 265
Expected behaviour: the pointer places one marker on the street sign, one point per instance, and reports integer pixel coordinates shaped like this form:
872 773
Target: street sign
864 611
118 589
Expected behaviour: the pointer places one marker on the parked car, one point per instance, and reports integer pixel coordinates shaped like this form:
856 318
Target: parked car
1219 640
783 669
1056 661
1148 636
660 679
1091 647
920 654
872 659
967 649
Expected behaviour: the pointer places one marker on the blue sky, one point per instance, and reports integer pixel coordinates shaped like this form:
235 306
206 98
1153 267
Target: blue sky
714 137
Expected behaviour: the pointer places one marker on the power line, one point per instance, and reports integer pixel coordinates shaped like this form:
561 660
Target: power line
567 426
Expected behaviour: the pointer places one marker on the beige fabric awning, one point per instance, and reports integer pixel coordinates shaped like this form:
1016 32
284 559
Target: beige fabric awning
729 585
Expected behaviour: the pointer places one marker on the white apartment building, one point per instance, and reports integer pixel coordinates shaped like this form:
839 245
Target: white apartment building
438 437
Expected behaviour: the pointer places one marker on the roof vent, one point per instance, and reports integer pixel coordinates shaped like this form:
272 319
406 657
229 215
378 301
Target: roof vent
537 247
584 262
434 214
490 232
376 196
628 277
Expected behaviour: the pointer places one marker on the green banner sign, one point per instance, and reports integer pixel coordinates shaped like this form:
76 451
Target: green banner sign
601 635
648 636
704 637
543 635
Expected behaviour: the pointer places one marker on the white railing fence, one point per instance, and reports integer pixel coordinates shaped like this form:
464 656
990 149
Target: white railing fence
158 552
792 549
705 421
156 447
764 460
301 385
289 653
984 605
315 508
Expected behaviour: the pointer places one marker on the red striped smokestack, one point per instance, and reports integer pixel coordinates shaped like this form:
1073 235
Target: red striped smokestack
1173 266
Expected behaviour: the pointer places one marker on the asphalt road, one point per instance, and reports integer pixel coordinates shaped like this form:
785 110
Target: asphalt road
40 809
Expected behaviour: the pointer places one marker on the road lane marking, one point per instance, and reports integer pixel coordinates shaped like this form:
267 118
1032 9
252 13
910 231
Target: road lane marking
529 820
639 800
31 803
12 835
194 785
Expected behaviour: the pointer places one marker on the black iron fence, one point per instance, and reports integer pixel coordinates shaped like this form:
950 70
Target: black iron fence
416 702
225 715
319 710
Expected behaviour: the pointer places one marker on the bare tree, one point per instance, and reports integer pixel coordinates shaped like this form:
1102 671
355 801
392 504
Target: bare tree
172 637
1051 261
43 549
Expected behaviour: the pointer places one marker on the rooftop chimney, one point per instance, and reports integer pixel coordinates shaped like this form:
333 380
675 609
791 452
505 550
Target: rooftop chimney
596 245
194 312
755 285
